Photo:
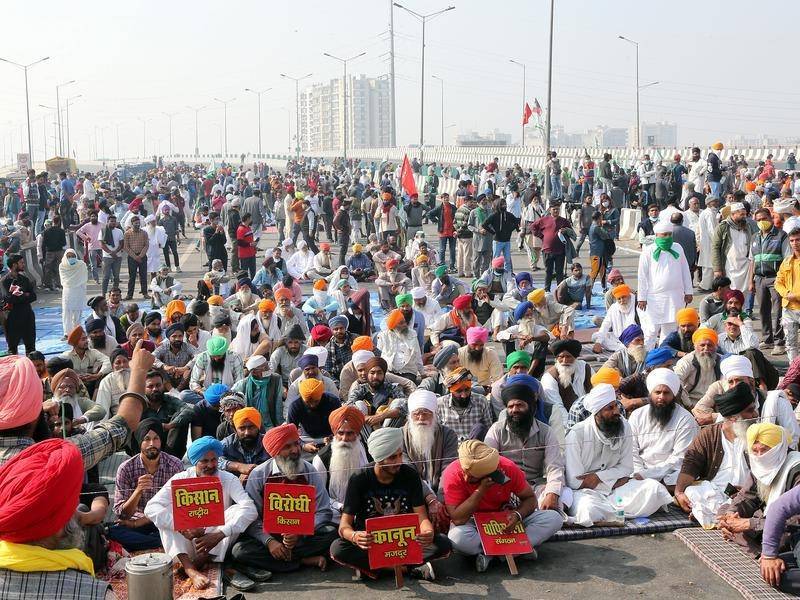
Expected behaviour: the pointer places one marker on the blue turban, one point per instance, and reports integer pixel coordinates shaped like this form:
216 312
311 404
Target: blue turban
526 380
308 360
173 328
658 356
523 276
214 392
630 333
202 445
521 309
338 320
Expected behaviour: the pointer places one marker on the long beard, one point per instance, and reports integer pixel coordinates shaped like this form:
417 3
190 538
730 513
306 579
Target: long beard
422 437
740 430
611 429
763 489
638 353
73 536
520 425
461 402
660 415
475 355
565 374
345 460
99 343
288 466
248 443
706 361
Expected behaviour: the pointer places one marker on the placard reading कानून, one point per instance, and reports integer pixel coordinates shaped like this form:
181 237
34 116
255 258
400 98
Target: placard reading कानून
394 541
197 502
289 508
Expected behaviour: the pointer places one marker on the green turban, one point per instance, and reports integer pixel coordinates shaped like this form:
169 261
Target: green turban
217 346
440 270
401 299
520 356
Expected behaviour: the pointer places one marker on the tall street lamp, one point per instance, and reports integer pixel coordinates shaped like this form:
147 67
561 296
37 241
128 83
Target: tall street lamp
70 101
511 60
144 136
169 116
27 101
442 82
344 62
549 97
297 81
638 125
424 19
196 111
58 117
225 120
258 94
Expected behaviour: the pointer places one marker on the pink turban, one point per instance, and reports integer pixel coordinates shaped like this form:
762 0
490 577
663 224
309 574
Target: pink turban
477 334
498 262
20 392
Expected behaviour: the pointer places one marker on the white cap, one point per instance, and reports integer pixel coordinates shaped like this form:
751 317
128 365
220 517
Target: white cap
418 293
149 218
362 356
422 399
287 243
736 366
256 361
663 227
737 206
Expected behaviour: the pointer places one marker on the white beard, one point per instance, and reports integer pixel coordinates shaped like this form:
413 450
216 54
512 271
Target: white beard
346 459
638 353
565 373
706 361
422 438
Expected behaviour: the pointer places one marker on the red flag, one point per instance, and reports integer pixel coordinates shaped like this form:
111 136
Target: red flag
537 108
407 177
526 114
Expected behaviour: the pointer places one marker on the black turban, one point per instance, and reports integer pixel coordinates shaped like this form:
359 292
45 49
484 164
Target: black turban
735 400
149 425
571 346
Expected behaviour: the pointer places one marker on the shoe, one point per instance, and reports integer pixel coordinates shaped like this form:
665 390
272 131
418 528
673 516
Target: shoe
259 575
765 345
532 555
482 563
778 351
237 580
178 269
424 572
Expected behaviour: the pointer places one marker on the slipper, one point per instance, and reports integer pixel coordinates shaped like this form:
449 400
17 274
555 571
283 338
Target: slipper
259 575
238 581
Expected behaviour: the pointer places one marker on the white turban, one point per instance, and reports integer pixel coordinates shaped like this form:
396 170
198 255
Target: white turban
320 352
736 206
360 357
228 197
287 243
302 244
599 397
149 218
663 227
422 399
418 293
665 377
736 366
255 362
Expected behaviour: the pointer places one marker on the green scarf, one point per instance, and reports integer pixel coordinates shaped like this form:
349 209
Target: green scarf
257 393
665 244
482 214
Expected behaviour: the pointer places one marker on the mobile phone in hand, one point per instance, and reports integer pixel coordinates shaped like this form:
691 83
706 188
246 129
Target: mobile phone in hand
499 477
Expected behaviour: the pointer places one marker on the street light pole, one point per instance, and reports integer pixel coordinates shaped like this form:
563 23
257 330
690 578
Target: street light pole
423 19
225 120
67 119
344 62
144 136
297 81
393 122
549 98
169 116
442 82
58 117
638 125
196 111
523 96
258 94
27 99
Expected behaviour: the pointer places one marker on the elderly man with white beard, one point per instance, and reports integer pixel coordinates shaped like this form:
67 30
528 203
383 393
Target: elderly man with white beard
700 368
620 315
523 434
714 462
662 430
775 470
345 455
568 379
429 447
599 466
629 359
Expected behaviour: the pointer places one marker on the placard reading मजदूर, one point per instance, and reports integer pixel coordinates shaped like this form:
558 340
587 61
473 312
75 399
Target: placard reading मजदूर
494 538
289 508
197 502
394 541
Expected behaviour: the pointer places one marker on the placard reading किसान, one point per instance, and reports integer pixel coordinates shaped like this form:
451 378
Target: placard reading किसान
197 502
289 508
495 541
394 541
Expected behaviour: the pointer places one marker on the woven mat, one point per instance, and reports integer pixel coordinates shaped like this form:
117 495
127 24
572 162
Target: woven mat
181 586
659 522
729 562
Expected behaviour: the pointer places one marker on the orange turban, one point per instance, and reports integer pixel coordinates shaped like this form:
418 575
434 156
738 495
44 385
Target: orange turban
75 335
320 284
704 333
750 186
247 414
621 290
422 258
277 437
283 293
175 306
266 305
395 318
362 342
346 413
607 375
311 389
687 315
215 300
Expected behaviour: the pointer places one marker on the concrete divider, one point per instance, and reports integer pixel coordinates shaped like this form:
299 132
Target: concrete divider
628 221
32 266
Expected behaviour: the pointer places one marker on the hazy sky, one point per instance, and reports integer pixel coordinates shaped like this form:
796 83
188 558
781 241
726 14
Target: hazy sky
725 68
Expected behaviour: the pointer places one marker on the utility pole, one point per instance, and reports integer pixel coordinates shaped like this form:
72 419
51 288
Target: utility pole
442 82
393 122
523 97
69 101
169 116
258 94
27 100
297 81
549 99
58 117
344 62
196 144
638 125
225 120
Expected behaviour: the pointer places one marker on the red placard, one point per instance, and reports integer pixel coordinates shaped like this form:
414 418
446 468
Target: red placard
394 541
289 508
197 502
494 541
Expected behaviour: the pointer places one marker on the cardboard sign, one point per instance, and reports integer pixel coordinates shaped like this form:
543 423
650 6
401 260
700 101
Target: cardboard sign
197 502
289 508
394 541
491 527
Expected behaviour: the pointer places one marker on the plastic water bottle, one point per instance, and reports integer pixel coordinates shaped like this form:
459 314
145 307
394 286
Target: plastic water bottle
619 512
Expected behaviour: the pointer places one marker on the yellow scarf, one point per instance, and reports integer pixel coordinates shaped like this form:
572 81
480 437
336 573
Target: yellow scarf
26 558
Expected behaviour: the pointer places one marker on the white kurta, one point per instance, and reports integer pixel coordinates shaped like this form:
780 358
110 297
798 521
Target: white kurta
553 395
157 240
707 224
239 513
691 220
737 260
663 284
777 409
658 451
707 496
300 262
615 322
589 451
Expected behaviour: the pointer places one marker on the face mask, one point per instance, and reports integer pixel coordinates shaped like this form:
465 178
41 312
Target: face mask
605 204
72 260
764 225
663 243
653 219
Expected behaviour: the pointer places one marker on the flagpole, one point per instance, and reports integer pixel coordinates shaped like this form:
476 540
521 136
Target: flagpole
549 101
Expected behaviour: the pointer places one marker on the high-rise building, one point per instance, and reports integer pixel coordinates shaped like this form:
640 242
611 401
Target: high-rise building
660 133
368 114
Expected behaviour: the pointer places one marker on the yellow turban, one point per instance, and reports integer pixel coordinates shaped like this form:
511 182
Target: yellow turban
704 333
536 296
175 306
265 305
717 146
247 414
607 375
768 434
357 248
421 259
477 459
216 300
311 389
687 315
